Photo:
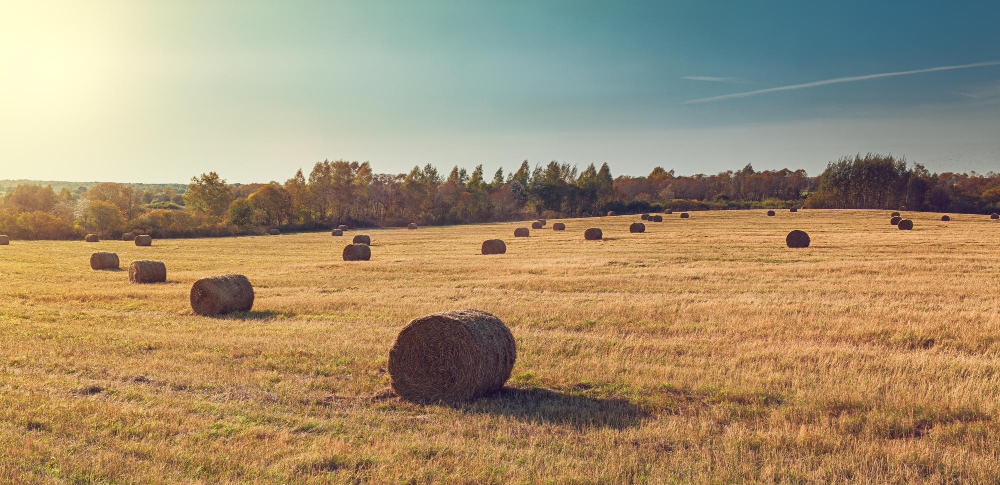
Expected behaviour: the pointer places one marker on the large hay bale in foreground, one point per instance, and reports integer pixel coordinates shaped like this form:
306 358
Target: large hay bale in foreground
994 216
793 209
104 260
452 356
593 234
146 271
494 246
905 225
226 293
637 227
770 213
684 215
536 225
521 232
895 220
274 231
128 236
412 225
797 239
144 240
337 232
945 218
91 238
357 252
894 214
558 226
4 240
362 239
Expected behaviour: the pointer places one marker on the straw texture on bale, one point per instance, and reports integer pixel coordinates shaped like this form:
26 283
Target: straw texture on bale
644 217
637 227
337 232
905 224
221 294
894 214
945 218
521 232
4 240
612 213
144 240
684 215
91 238
494 246
146 271
994 216
770 213
104 260
793 209
357 252
797 239
536 225
558 226
593 234
128 236
273 231
895 220
452 356
362 239
412 225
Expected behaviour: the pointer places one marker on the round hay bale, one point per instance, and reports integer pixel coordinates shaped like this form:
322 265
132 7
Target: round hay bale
656 218
558 226
905 225
342 227
362 239
91 238
226 293
494 246
670 211
4 240
895 220
146 271
894 214
770 213
337 232
612 213
797 239
644 217
543 221
521 232
451 356
536 225
637 227
128 236
357 252
684 215
793 209
994 216
593 234
412 225
144 240
945 218
103 260
274 231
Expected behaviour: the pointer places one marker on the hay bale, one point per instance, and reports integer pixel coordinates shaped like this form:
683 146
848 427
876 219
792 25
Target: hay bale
558 226
994 216
494 246
894 214
226 293
793 209
452 356
4 240
337 232
412 225
357 252
637 227
593 234
536 225
644 217
945 218
144 240
797 239
543 221
91 238
146 271
362 239
521 232
104 260
905 225
612 213
670 211
684 215
128 236
895 220
342 227
770 213
274 231
656 218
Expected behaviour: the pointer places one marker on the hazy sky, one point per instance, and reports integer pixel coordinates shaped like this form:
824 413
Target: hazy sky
159 91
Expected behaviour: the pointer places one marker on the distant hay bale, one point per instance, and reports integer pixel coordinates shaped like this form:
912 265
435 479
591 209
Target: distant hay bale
221 294
146 271
342 227
644 217
895 220
945 218
656 218
558 226
412 225
593 234
521 232
670 211
274 231
452 356
91 238
684 215
494 246
612 213
770 213
543 221
4 240
104 260
128 236
797 239
894 214
793 209
994 216
905 224
144 240
637 227
357 252
536 225
362 239
337 232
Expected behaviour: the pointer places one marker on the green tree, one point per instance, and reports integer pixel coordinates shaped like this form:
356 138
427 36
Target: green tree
103 218
208 194
241 212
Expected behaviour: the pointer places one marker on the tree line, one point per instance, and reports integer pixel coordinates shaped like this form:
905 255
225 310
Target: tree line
342 192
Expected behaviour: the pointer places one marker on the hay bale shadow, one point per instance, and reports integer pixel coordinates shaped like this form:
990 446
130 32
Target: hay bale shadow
538 405
255 315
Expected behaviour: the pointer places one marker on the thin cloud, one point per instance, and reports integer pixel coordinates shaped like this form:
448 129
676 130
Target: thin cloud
710 79
839 80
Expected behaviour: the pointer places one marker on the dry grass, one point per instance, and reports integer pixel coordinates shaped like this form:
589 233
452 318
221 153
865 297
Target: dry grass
702 350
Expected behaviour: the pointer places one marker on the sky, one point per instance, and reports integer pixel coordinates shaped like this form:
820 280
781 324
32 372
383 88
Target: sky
155 92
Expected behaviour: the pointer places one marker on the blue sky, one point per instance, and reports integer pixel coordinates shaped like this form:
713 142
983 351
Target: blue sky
156 92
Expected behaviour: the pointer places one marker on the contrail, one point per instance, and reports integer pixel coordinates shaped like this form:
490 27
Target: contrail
839 80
